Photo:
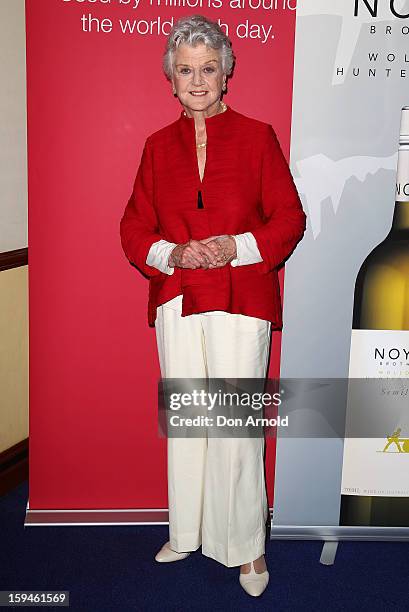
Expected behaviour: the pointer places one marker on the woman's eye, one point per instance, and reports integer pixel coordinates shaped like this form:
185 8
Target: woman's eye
209 69
184 70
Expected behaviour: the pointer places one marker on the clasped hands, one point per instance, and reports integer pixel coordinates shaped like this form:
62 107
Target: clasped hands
212 252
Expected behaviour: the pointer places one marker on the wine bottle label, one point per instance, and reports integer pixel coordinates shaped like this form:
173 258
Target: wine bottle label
377 465
402 176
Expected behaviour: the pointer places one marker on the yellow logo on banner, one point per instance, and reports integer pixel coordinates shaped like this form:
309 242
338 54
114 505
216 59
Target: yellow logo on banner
402 444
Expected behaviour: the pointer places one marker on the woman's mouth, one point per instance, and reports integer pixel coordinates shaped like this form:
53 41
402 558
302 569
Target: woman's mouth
198 93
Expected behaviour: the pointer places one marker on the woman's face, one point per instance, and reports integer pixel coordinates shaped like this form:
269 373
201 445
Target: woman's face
197 77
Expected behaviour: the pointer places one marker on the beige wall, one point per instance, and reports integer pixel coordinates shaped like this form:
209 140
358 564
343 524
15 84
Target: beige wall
13 357
13 225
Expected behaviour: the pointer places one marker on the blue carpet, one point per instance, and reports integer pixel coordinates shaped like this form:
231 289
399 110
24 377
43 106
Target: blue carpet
112 568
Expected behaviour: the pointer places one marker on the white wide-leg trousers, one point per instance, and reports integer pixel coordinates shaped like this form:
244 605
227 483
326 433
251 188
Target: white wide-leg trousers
216 486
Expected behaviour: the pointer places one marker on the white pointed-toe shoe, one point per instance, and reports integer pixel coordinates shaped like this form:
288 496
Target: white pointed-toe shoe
167 555
254 584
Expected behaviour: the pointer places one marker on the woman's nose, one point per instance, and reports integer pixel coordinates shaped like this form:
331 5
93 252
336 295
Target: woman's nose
197 78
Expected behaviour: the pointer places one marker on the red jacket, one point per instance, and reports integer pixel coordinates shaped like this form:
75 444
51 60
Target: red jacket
247 187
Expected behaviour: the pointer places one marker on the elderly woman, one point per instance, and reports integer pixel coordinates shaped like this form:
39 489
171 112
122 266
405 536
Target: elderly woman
213 213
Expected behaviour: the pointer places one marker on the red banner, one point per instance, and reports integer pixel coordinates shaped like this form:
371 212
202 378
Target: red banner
95 92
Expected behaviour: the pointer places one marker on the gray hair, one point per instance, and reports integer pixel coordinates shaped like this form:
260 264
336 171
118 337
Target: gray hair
195 30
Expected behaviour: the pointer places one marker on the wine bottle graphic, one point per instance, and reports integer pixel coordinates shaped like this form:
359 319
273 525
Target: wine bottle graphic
375 473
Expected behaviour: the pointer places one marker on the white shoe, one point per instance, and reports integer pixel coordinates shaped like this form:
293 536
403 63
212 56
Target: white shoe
166 554
254 584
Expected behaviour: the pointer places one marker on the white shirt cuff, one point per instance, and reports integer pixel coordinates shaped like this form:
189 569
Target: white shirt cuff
158 256
247 250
